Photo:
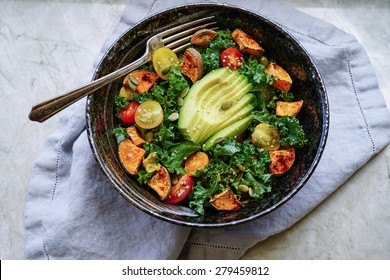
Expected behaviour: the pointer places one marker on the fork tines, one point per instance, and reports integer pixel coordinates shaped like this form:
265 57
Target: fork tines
182 39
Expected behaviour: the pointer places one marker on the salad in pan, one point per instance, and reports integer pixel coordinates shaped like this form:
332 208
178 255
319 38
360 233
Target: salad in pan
212 127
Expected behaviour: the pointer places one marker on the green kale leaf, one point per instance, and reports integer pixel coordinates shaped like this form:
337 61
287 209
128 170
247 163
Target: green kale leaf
143 176
254 71
173 158
120 134
222 41
199 198
120 103
210 55
290 130
231 163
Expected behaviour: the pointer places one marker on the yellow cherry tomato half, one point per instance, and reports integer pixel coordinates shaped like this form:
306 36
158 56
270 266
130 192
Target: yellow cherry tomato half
266 137
149 114
163 61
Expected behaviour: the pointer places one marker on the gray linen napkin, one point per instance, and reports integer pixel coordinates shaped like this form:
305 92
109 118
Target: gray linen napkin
72 212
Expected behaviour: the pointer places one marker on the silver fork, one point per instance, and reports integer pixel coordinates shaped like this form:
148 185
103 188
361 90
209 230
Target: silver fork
176 38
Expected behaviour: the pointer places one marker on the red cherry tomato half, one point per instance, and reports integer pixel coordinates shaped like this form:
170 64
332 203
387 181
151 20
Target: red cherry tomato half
127 115
231 58
181 189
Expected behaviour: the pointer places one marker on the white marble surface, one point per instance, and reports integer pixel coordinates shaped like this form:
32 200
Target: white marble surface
42 53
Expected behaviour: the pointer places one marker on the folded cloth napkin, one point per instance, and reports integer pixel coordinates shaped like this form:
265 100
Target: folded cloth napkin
72 212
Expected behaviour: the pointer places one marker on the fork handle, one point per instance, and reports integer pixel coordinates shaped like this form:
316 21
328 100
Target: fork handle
43 111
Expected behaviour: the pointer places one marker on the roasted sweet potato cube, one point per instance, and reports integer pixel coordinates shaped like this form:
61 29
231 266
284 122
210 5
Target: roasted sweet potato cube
246 43
140 80
135 136
130 156
203 37
281 161
225 201
161 183
192 65
284 108
283 81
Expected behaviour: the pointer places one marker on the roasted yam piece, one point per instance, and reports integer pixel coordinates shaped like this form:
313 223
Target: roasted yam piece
225 201
161 183
140 80
284 108
283 81
192 65
130 156
135 136
203 37
281 161
246 43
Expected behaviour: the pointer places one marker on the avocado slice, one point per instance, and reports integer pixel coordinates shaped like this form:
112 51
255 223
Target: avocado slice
229 131
214 102
198 123
238 111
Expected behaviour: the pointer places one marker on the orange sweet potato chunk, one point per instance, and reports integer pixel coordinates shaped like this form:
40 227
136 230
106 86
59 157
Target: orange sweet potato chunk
145 80
281 161
135 136
203 37
246 43
283 81
130 156
161 183
192 65
284 108
225 201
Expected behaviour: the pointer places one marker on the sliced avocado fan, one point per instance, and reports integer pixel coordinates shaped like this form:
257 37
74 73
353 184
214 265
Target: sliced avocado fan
215 102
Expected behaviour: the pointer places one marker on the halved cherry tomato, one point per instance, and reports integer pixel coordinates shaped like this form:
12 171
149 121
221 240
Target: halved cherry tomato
266 137
181 189
163 61
127 115
149 114
231 58
195 162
